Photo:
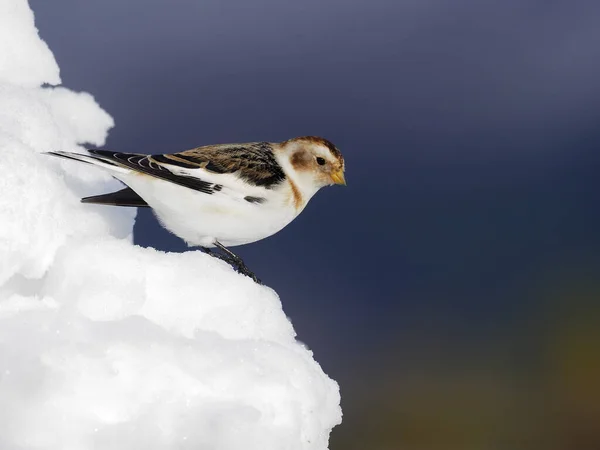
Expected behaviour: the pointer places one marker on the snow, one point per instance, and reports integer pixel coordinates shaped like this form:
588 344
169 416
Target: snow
105 345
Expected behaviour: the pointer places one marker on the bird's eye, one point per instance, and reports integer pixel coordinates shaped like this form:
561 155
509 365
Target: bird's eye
320 161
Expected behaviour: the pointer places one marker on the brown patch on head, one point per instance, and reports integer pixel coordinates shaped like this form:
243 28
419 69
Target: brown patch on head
296 195
301 160
320 141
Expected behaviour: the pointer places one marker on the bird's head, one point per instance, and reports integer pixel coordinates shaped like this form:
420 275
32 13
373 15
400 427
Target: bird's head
315 160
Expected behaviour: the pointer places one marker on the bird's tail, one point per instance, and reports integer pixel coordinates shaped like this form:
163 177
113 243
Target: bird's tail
124 197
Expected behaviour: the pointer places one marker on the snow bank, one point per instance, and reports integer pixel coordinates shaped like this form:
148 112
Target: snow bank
104 345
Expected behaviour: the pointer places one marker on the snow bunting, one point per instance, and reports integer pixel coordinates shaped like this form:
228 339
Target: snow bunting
222 195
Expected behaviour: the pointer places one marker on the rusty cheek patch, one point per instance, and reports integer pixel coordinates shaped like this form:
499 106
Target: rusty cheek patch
301 160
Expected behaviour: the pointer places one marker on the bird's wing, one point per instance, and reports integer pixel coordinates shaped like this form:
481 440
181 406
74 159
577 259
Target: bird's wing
144 164
254 162
204 168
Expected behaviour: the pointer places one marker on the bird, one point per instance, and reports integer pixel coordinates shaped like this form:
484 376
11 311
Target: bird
223 195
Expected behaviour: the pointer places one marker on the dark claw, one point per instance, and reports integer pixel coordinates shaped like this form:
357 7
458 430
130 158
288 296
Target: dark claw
225 258
245 271
241 267
233 260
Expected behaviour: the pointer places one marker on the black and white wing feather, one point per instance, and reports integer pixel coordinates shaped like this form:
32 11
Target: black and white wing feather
146 165
237 167
254 163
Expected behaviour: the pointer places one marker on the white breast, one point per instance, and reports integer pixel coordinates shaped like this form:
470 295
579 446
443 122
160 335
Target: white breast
200 219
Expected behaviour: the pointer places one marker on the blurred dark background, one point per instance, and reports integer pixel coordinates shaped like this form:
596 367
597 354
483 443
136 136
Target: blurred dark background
453 288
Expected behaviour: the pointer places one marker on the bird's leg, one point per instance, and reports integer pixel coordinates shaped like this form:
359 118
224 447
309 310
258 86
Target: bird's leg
234 259
209 252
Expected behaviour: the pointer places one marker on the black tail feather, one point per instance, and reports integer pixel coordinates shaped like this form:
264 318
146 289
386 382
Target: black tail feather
124 197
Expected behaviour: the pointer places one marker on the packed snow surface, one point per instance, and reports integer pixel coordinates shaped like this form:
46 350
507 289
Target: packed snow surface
105 345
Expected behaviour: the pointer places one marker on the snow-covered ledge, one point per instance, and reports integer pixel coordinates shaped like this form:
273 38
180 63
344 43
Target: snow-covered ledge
105 345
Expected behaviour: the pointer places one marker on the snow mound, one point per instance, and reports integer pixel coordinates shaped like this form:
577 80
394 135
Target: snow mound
105 345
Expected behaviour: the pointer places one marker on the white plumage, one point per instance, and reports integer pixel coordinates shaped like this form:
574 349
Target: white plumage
222 195
224 216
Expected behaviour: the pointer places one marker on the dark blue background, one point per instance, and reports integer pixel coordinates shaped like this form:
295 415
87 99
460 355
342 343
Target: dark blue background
469 128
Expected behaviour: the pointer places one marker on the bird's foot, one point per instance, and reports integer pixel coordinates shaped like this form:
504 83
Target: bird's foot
233 260
243 269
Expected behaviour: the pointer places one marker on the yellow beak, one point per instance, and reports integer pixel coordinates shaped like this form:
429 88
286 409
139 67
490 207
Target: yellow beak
338 177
